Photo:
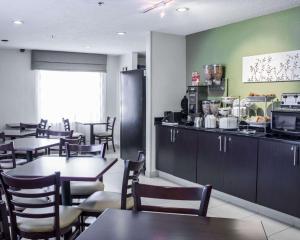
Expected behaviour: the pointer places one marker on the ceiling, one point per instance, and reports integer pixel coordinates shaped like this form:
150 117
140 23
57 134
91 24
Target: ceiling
83 26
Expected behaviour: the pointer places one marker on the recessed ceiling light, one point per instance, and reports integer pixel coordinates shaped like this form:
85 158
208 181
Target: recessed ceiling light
4 40
121 33
18 22
100 3
182 9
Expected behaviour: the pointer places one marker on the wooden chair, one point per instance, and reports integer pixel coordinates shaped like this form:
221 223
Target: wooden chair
41 133
83 189
38 221
52 133
108 135
4 233
62 144
67 127
8 158
171 193
99 201
43 123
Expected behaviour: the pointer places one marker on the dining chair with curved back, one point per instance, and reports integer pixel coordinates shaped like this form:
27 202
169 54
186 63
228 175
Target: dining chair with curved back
42 220
43 123
99 201
108 134
67 127
62 144
201 194
8 158
80 189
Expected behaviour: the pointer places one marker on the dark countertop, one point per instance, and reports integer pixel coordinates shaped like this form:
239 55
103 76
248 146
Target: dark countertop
258 135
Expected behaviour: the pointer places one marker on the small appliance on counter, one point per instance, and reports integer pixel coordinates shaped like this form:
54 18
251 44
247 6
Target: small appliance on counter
230 123
285 120
172 117
210 121
196 94
290 100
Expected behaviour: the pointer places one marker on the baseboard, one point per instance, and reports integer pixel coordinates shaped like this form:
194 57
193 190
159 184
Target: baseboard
151 174
276 215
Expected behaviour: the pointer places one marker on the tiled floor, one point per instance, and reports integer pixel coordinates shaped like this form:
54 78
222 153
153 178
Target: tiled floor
217 208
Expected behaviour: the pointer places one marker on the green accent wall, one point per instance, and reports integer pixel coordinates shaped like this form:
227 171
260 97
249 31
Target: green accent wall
227 45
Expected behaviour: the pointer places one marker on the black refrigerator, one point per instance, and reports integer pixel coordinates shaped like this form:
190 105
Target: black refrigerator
133 113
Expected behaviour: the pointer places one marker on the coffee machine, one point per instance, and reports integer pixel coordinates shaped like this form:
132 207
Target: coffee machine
196 94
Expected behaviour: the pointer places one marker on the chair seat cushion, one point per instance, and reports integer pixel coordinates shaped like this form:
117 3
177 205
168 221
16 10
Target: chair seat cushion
7 165
99 201
86 188
102 134
67 216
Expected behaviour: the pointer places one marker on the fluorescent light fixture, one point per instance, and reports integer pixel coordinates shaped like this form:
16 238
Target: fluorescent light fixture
18 22
182 9
157 5
121 33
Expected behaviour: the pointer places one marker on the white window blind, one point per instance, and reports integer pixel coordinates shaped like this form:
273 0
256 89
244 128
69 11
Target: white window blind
78 96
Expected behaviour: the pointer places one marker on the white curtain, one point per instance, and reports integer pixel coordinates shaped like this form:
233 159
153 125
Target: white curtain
79 96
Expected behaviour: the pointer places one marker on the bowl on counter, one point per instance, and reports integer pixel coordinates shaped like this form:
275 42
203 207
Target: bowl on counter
228 100
224 111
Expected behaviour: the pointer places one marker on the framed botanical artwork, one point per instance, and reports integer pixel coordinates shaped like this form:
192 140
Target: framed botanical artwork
273 67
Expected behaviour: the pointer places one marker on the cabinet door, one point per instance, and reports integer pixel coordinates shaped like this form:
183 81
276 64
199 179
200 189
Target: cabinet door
164 150
185 157
279 176
210 160
240 166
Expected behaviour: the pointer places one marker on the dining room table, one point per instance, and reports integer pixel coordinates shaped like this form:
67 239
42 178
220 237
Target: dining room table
115 224
32 144
83 168
91 126
17 133
16 125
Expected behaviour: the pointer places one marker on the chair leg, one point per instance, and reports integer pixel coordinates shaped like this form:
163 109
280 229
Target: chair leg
113 144
107 143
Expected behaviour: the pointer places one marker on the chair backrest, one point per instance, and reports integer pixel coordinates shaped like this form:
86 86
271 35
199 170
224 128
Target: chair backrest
50 209
2 137
4 233
62 143
111 124
172 193
8 156
41 133
43 123
131 174
52 133
24 126
66 123
73 150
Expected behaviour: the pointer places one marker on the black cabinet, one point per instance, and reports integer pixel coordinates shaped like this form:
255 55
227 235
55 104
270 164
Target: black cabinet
210 160
229 163
176 152
240 166
279 176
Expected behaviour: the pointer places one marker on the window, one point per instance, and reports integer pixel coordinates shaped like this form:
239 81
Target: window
78 96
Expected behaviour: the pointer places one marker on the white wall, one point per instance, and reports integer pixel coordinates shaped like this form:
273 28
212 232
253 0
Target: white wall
17 88
166 78
113 93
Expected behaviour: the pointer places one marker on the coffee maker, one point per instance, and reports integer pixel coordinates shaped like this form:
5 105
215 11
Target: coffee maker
196 94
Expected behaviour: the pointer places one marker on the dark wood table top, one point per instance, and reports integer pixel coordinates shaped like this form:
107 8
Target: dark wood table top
16 125
74 169
92 123
17 133
32 144
116 224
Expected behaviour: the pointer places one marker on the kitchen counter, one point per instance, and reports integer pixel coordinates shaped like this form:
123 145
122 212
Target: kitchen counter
260 135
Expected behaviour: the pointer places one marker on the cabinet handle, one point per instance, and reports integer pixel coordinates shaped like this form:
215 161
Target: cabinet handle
220 143
225 144
295 156
171 131
174 135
